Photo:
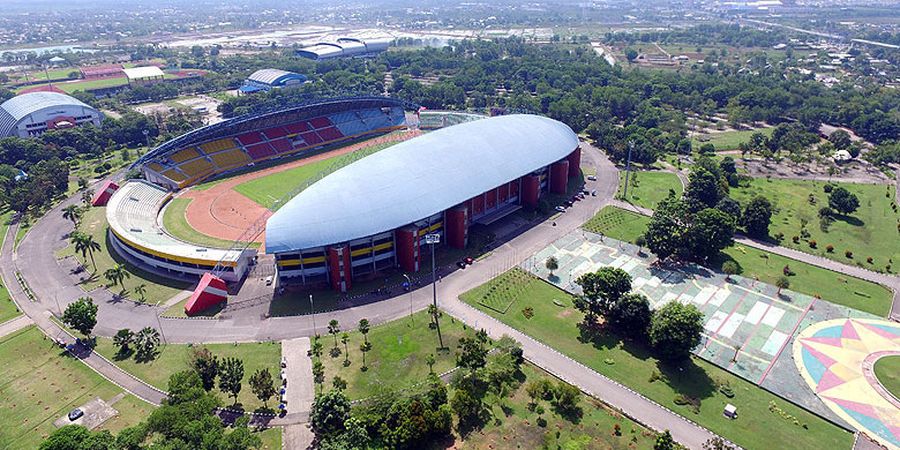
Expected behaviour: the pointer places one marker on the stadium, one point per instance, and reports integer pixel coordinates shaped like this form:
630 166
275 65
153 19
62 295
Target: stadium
386 185
344 47
34 113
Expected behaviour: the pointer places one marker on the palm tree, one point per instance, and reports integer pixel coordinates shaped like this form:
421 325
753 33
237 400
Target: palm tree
551 264
435 312
87 195
116 275
334 329
86 245
316 349
73 213
429 359
364 328
364 347
344 339
141 289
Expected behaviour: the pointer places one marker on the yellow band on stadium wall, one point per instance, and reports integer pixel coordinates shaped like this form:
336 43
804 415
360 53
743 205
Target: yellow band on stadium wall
202 262
430 229
318 259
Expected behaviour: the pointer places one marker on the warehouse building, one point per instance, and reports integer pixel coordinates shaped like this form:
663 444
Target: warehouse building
268 79
345 47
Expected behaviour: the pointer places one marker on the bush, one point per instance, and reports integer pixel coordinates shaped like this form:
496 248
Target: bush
828 188
829 248
812 244
796 239
869 260
848 254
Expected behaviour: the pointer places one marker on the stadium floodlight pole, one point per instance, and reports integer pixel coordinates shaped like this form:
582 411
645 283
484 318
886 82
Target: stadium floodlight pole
627 170
434 238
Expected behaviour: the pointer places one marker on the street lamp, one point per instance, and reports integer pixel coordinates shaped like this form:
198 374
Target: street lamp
434 238
312 314
409 289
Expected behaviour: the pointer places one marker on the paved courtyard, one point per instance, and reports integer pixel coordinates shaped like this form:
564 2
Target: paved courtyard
748 325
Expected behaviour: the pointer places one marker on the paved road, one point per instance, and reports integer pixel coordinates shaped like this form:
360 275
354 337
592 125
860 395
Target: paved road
38 263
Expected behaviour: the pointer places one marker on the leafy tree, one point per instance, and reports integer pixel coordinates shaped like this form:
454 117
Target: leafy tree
316 347
840 139
675 330
72 213
730 268
757 216
123 340
711 230
842 200
551 264
429 359
664 442
231 374
262 385
667 227
603 288
206 365
329 413
630 314
81 315
631 54
363 328
318 371
704 189
345 338
87 196
339 383
566 398
472 353
145 342
77 437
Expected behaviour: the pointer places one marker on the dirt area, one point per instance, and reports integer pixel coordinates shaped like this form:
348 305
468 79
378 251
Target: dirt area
149 109
203 104
857 171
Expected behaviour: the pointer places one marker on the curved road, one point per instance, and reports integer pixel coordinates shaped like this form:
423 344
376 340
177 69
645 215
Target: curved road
54 288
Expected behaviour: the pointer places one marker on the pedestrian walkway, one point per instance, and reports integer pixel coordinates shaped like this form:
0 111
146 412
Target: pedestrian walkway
13 325
299 393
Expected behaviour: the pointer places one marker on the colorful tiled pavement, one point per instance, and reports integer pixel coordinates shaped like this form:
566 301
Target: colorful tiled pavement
835 357
749 325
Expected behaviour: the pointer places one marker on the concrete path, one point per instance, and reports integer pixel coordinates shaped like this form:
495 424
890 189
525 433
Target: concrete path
298 371
13 325
296 437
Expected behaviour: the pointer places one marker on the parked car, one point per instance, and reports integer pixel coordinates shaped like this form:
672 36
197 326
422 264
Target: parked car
560 209
469 260
461 264
75 414
592 178
594 193
269 280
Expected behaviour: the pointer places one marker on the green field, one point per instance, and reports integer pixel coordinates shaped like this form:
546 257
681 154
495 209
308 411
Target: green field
631 364
176 357
647 188
764 266
8 308
887 370
516 427
397 358
159 289
41 384
871 231
72 86
728 140
175 222
268 190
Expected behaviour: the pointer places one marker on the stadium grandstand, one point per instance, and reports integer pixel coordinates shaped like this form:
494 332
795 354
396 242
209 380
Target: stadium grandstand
98 72
132 211
345 47
268 79
144 75
249 139
374 214
34 113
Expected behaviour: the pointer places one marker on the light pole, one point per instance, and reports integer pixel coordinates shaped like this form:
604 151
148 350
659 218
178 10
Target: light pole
409 289
627 171
312 314
434 238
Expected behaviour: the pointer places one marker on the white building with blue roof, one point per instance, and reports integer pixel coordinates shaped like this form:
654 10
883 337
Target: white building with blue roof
268 79
32 114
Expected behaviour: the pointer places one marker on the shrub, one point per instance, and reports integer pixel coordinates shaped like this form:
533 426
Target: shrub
829 248
828 188
542 422
812 243
617 430
787 270
869 260
528 312
848 254
796 239
779 237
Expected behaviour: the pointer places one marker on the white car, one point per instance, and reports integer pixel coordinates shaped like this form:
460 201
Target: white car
269 280
560 209
591 178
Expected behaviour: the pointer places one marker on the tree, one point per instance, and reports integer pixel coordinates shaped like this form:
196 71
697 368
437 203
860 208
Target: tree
363 328
339 383
704 189
318 370
566 398
72 213
842 200
141 289
86 245
551 264
145 342
262 385
711 230
675 330
87 196
666 228
717 443
757 216
329 413
472 354
664 441
116 275
435 314
77 437
840 139
316 347
231 374
123 340
345 338
631 54
365 347
81 315
730 268
782 283
429 359
334 328
603 288
206 365
631 314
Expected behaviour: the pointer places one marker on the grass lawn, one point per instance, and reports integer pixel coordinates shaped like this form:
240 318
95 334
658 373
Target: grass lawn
175 222
397 358
728 140
41 383
648 188
871 231
633 365
887 370
517 428
271 438
72 86
158 288
175 358
269 189
767 267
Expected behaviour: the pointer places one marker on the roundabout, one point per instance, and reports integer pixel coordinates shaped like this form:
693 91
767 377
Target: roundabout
838 359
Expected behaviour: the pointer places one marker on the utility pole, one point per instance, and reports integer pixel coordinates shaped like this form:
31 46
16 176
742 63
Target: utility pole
434 238
312 314
627 171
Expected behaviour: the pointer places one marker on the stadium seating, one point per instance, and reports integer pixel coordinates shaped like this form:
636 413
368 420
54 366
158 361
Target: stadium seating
330 134
156 167
296 128
250 138
230 159
175 175
275 133
311 138
184 155
196 168
217 145
282 145
320 122
260 151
